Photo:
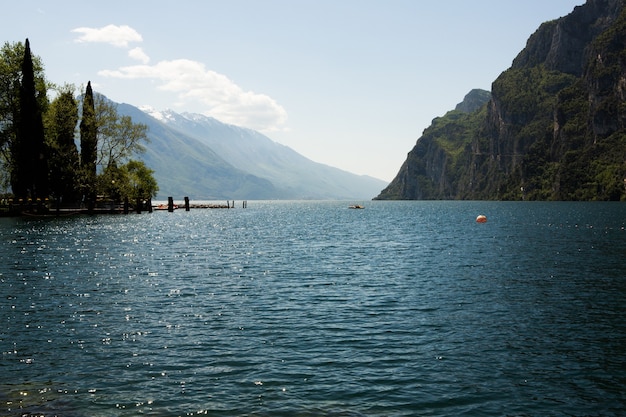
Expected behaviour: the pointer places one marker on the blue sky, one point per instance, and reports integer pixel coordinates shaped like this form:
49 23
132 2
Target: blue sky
348 83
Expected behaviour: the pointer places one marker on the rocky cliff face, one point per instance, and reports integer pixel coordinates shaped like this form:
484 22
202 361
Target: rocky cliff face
552 128
561 45
429 171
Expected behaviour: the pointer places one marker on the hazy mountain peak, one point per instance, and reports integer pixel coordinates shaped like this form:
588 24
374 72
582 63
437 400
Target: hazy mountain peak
197 117
161 115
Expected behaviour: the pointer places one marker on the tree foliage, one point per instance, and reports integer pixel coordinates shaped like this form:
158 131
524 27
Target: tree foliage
118 137
38 152
61 120
11 61
142 183
132 181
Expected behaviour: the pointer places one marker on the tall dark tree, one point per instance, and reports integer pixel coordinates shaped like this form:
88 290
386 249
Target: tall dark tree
61 121
29 176
89 145
11 60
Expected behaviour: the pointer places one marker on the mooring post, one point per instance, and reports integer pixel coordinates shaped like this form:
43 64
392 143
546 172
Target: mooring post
170 204
149 205
186 203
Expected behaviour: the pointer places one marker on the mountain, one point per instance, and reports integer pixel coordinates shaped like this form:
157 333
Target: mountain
205 159
553 128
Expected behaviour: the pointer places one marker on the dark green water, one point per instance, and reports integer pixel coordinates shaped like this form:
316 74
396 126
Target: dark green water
312 309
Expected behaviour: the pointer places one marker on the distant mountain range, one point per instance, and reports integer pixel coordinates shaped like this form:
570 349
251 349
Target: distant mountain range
202 158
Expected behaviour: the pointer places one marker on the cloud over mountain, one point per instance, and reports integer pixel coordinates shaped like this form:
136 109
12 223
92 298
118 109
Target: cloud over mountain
191 82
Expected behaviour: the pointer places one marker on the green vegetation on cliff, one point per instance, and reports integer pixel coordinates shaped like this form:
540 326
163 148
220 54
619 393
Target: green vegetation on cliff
554 127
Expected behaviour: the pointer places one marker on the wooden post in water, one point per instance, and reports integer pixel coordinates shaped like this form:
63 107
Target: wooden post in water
149 205
138 205
170 204
125 205
186 203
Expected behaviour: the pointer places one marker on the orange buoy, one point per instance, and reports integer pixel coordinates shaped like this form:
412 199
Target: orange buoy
481 218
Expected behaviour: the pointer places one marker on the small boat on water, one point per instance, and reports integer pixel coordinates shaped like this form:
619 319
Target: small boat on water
356 206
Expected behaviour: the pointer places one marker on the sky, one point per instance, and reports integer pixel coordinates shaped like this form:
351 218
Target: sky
347 83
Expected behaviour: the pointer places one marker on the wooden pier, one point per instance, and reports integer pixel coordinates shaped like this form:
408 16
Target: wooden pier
187 205
10 208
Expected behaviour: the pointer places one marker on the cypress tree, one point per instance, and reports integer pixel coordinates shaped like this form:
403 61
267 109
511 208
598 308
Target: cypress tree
30 171
88 146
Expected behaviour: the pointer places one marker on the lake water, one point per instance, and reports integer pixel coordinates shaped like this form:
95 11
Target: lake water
312 309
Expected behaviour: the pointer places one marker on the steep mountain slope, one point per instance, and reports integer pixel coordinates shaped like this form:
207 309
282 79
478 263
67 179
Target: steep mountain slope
554 128
186 167
213 160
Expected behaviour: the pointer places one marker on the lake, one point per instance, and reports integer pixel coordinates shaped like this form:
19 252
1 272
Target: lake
308 308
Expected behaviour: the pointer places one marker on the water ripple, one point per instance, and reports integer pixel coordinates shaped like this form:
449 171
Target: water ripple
310 309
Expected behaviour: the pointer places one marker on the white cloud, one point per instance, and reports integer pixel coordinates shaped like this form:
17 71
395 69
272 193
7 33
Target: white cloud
118 36
225 100
139 55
